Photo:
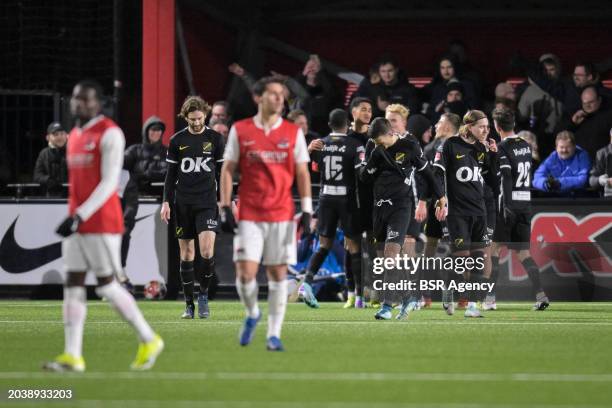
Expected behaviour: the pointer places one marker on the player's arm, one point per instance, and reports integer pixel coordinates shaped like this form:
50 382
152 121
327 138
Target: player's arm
111 146
218 157
505 170
439 173
231 156
172 159
303 181
374 157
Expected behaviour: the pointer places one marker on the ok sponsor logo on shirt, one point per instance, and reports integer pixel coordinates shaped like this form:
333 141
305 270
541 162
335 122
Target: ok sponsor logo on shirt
197 165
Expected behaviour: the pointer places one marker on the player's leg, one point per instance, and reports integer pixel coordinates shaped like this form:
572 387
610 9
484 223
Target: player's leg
129 221
102 252
521 236
277 304
74 309
351 225
279 250
479 242
206 225
185 232
396 222
327 223
186 270
353 255
248 249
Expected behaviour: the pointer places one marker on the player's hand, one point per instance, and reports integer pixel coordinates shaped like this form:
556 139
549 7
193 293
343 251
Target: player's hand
228 222
165 212
69 226
421 211
492 145
315 145
305 223
441 209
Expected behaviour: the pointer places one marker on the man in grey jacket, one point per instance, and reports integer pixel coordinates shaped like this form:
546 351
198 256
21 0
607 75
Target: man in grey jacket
601 173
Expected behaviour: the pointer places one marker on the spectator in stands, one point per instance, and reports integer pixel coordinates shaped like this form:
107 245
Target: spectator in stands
453 103
438 89
506 91
585 75
220 111
50 170
365 86
321 94
220 126
295 95
298 117
392 88
565 172
601 173
541 103
420 127
592 123
146 163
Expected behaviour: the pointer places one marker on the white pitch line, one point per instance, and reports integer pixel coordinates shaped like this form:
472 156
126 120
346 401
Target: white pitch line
306 404
307 377
404 324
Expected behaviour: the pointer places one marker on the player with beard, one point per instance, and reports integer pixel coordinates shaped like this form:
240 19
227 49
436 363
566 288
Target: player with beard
514 216
464 163
338 161
389 168
447 126
194 161
271 154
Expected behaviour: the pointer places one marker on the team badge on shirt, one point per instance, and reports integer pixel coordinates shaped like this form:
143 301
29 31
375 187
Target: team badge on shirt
399 157
207 147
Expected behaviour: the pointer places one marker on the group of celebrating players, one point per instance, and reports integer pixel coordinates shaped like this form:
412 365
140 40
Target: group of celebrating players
377 184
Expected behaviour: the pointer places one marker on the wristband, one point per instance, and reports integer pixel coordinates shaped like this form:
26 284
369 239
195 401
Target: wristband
306 203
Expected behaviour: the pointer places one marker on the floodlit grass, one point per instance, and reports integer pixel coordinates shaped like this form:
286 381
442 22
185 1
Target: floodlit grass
514 357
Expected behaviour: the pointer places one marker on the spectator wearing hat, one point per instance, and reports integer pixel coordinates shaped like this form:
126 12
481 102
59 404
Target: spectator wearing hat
50 170
454 102
420 127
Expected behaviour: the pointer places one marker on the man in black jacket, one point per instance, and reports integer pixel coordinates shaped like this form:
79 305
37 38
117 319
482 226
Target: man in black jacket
146 163
50 170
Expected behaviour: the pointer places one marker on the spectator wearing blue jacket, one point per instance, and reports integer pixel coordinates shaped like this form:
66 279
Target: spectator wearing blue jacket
566 170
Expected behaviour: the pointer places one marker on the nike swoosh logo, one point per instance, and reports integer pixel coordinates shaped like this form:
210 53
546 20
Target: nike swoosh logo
183 147
16 259
460 156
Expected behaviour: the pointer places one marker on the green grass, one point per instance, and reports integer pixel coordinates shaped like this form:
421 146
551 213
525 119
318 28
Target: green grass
513 358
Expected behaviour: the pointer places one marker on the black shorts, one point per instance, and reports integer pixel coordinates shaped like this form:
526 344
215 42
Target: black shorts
491 216
433 227
391 223
414 227
515 231
467 232
332 211
190 220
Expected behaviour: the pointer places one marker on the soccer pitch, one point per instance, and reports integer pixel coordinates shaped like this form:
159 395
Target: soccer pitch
514 357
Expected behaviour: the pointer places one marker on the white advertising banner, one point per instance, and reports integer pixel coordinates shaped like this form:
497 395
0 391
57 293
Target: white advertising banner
30 250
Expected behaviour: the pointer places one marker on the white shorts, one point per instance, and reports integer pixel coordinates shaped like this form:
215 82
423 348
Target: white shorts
269 243
98 253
